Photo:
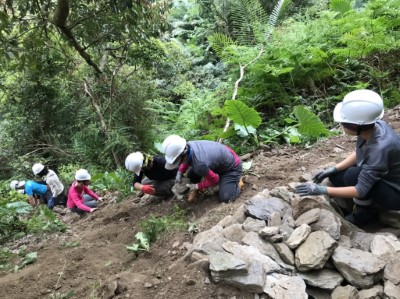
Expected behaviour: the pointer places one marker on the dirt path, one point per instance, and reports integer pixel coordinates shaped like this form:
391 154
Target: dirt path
100 259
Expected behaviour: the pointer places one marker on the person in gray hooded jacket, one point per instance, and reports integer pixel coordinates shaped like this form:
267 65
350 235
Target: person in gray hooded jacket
371 174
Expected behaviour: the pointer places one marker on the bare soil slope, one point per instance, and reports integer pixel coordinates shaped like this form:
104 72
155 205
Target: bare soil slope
101 266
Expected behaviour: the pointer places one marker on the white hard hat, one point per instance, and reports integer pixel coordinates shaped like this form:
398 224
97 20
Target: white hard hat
16 184
361 107
134 162
172 147
82 175
37 168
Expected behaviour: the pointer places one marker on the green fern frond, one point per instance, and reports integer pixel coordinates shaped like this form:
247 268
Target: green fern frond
220 42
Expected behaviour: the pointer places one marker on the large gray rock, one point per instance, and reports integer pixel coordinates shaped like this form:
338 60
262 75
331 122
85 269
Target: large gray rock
298 236
375 292
252 282
325 279
391 290
392 269
347 292
361 240
282 286
314 251
385 246
253 225
308 217
261 207
252 255
360 268
223 265
328 222
285 253
207 242
264 247
234 233
283 193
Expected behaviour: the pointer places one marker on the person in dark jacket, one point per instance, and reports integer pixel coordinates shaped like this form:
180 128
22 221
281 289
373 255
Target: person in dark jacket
209 163
370 175
151 176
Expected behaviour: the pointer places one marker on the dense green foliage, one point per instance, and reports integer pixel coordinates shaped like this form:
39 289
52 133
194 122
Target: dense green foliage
153 227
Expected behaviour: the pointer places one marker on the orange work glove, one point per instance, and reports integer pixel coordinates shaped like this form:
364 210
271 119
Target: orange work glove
149 189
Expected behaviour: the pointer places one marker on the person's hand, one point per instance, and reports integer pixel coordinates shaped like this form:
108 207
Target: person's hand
322 174
148 189
92 210
51 203
310 189
178 177
192 186
100 199
32 201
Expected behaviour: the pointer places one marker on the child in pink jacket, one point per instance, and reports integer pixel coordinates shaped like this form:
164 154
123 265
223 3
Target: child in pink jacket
80 198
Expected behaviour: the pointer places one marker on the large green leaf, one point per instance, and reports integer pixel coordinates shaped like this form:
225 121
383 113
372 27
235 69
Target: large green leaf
309 123
340 6
241 114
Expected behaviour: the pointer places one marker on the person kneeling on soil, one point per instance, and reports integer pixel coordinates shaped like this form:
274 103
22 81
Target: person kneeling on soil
38 193
152 178
53 182
213 161
371 174
80 198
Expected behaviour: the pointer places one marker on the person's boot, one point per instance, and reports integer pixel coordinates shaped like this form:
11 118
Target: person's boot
362 215
193 195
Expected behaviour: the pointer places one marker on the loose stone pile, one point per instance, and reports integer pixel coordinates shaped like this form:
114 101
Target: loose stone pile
278 245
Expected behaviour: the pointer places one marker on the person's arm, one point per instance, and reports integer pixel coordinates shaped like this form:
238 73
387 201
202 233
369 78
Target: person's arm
183 168
351 160
210 179
90 193
344 192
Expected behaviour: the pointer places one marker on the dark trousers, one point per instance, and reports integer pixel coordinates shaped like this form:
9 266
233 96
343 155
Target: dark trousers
229 188
382 194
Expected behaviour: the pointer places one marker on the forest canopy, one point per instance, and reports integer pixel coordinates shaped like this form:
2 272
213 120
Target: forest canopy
87 82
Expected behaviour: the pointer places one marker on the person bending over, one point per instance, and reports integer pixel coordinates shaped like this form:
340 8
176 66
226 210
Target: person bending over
208 163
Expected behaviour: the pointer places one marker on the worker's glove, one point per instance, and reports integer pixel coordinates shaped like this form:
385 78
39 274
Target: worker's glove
92 210
322 174
192 187
148 189
178 177
51 203
310 189
100 199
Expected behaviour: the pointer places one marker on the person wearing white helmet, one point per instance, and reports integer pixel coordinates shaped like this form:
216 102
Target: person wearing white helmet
151 176
370 175
208 163
36 192
53 182
80 198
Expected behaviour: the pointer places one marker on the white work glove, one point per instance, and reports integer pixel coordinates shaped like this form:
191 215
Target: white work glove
100 199
92 210
192 187
178 177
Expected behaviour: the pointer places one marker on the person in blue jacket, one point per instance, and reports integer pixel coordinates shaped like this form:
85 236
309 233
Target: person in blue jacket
370 175
34 190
